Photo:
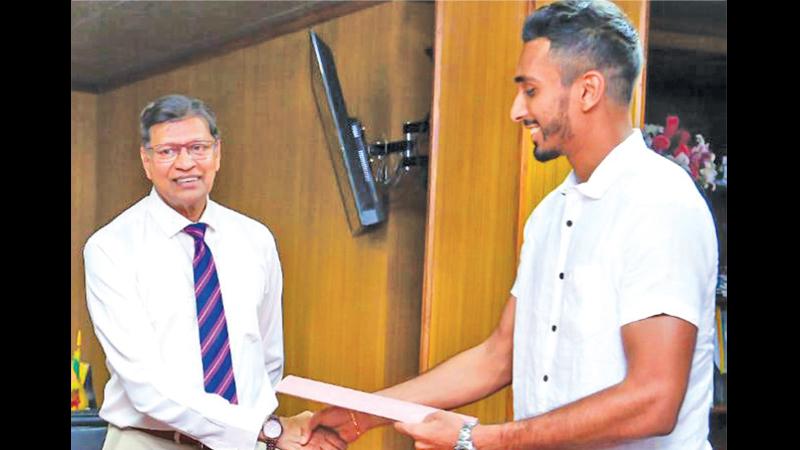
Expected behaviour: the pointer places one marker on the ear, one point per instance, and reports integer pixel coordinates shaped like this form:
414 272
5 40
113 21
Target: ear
218 155
592 88
146 161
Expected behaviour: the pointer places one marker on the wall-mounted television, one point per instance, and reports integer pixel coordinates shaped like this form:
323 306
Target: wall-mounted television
363 204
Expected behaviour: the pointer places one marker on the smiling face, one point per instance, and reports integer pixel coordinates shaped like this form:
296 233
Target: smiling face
184 184
542 102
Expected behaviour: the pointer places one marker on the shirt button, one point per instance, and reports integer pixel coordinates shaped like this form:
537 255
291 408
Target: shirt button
569 223
545 378
554 328
561 275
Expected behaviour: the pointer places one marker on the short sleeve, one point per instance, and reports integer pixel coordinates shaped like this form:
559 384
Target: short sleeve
669 263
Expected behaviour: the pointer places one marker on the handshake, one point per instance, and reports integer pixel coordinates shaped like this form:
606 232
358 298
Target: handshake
353 413
334 427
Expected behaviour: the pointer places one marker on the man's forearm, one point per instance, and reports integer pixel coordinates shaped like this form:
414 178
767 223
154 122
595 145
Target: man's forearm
469 376
616 414
465 378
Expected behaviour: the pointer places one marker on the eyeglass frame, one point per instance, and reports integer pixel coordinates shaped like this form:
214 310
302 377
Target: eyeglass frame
153 150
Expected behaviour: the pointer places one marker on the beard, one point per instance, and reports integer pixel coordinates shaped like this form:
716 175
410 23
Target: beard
560 127
545 155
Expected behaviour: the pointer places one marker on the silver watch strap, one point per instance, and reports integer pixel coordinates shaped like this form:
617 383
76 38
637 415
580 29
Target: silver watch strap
464 441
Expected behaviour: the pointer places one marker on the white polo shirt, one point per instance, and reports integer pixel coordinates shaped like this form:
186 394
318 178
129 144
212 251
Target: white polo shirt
635 240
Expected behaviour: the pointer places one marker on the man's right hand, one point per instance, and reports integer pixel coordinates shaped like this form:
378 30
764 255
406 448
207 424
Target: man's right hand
350 425
296 431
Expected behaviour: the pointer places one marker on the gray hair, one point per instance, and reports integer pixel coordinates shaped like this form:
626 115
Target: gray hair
586 35
175 107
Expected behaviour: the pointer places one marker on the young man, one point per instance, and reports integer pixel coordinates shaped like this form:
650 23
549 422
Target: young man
607 335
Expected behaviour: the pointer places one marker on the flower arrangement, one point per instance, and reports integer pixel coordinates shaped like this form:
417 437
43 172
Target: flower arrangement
674 143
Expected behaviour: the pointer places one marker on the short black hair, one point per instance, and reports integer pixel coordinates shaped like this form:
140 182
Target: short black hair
175 107
586 35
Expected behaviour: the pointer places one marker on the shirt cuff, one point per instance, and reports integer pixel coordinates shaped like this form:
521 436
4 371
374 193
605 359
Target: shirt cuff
245 436
660 305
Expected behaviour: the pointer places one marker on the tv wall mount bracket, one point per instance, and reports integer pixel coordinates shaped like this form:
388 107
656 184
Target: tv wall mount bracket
408 148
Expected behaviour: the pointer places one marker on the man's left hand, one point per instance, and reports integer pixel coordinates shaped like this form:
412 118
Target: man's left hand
438 430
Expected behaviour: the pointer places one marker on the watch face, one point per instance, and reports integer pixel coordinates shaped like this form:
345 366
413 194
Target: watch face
272 428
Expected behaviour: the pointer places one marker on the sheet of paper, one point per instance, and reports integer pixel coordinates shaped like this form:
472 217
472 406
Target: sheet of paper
374 404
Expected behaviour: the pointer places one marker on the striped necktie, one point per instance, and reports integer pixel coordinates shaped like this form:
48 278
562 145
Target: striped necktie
214 346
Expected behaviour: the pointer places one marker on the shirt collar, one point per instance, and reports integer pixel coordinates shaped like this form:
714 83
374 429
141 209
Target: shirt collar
172 222
609 169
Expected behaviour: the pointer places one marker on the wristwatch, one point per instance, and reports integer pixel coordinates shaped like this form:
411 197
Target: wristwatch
464 441
272 429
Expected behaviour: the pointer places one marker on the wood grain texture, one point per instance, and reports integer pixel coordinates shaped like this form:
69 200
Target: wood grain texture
351 304
470 245
83 190
639 13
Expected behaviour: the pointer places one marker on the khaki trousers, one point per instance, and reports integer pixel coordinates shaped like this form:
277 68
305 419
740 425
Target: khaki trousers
126 439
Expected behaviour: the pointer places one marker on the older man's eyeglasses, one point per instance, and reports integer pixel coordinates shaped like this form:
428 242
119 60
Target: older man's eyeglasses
197 150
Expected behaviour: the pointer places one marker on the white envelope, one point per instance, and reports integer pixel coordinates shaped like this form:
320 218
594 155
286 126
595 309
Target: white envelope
374 404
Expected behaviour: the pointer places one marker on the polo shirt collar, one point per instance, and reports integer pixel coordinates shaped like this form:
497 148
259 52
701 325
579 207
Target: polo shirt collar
172 222
616 162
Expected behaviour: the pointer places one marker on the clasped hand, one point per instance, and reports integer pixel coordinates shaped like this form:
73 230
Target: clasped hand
298 435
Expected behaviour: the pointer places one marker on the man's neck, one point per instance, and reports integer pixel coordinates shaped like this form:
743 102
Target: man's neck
596 144
192 213
195 212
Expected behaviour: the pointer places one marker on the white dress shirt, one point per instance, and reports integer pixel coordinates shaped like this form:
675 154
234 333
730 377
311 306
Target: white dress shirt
634 241
140 294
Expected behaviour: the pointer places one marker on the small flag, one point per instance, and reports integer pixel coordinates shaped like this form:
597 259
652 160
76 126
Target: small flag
79 373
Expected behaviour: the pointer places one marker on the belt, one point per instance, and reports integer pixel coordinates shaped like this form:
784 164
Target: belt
173 436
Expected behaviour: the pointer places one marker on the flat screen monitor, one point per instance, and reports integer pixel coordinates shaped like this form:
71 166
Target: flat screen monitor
346 144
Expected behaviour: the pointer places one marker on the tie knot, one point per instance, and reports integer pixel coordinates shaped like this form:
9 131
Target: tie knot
196 230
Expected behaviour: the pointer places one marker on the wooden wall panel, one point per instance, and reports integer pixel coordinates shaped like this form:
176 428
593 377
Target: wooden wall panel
639 13
83 188
351 304
471 235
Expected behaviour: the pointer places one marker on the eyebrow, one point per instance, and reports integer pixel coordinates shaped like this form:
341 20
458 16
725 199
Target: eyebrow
193 141
523 79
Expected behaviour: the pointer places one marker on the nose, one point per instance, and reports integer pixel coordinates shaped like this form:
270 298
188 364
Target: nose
518 109
183 160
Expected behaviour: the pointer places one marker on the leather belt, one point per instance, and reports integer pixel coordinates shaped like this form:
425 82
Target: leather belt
172 436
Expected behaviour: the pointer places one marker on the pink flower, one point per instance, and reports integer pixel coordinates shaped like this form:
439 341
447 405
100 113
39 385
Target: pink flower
697 160
682 148
694 167
672 126
660 143
685 136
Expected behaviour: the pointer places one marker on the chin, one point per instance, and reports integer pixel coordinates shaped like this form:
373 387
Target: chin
546 155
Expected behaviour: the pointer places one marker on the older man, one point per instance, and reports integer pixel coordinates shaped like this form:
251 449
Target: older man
185 298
